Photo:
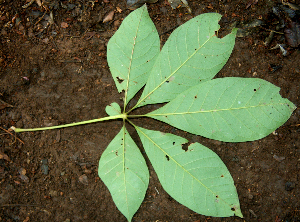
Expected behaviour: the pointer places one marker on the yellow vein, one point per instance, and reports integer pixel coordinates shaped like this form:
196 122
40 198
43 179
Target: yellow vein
179 67
178 164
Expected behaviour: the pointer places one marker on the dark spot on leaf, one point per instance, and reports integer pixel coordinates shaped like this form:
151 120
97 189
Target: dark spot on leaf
127 168
167 81
148 60
254 90
116 153
173 143
195 49
168 158
222 175
120 80
217 196
195 97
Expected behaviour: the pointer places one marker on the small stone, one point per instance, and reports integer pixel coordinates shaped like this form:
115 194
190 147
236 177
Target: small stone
117 23
83 179
289 186
53 193
44 167
278 158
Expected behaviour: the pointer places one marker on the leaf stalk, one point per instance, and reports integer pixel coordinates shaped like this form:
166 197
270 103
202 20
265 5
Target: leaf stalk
121 116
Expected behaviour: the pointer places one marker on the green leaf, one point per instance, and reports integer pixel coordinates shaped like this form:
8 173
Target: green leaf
113 109
196 178
191 55
124 171
228 109
132 51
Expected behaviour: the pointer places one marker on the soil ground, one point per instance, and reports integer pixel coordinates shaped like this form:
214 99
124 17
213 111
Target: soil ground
52 74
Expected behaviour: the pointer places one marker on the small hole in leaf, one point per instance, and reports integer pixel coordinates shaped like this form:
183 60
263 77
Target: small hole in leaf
168 158
254 90
185 147
217 196
195 97
116 153
167 81
120 80
173 143
233 209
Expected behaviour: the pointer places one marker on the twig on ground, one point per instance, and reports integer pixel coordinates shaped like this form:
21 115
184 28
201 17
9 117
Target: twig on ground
12 135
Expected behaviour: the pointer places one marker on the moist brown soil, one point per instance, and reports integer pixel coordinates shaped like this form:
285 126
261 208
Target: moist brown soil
53 74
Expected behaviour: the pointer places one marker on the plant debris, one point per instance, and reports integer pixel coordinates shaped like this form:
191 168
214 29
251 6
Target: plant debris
109 17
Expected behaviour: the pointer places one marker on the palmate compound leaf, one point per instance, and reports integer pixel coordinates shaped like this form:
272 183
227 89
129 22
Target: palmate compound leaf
132 51
191 55
124 171
196 178
228 109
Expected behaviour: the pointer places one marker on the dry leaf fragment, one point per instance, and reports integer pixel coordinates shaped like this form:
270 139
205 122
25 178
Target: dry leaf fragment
118 9
4 104
4 156
109 17
64 25
38 2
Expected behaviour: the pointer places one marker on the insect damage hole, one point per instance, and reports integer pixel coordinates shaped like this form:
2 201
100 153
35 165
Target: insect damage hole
185 146
120 80
168 158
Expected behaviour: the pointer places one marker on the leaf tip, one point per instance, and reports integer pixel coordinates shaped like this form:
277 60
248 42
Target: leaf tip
237 211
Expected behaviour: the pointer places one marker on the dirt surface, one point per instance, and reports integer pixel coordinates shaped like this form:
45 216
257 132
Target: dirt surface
53 70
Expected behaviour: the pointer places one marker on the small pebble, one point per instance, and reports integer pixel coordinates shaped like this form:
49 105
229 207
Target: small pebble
83 179
289 186
44 167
